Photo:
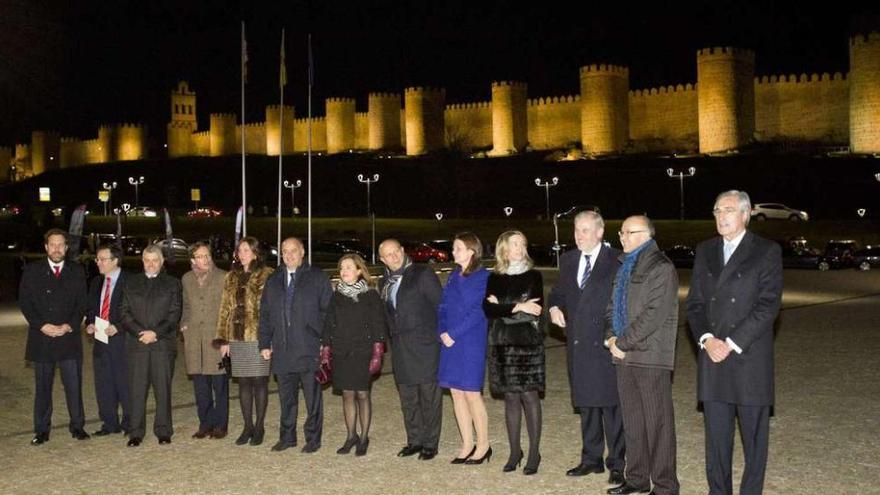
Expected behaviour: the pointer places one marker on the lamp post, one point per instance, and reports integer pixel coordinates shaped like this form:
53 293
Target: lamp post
109 187
547 184
556 216
136 182
292 186
681 177
369 181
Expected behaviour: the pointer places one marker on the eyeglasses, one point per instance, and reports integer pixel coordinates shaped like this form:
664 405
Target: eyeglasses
730 210
201 256
623 233
104 259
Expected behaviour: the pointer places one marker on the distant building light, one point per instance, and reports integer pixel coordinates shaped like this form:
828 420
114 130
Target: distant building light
165 145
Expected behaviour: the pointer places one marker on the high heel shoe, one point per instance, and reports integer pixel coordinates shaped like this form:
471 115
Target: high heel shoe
529 469
257 437
361 449
485 458
512 463
462 460
245 436
349 443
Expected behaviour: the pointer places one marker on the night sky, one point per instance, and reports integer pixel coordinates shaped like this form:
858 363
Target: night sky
70 65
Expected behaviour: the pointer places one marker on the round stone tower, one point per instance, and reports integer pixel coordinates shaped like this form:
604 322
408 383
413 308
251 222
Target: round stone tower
425 120
131 142
510 132
107 138
340 124
70 153
383 115
45 148
864 93
222 134
604 108
273 129
725 98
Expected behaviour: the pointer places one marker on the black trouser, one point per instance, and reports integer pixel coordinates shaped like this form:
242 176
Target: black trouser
601 425
212 400
111 386
288 394
754 425
71 378
154 368
649 427
422 406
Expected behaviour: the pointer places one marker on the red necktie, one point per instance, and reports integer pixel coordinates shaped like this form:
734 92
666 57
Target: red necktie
57 271
105 305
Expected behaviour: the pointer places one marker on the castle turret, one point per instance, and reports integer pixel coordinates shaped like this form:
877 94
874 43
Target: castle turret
70 152
183 121
274 114
384 120
425 120
106 151
222 134
604 108
340 124
131 142
725 98
864 93
510 127
45 148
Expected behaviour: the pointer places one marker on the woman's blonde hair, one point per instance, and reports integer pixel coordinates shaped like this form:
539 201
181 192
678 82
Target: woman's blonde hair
502 248
360 264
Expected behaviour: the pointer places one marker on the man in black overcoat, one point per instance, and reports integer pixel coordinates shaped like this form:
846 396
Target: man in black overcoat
412 294
52 296
578 304
735 296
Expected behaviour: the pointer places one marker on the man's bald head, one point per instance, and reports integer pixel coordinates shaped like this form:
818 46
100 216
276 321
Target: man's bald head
391 254
635 231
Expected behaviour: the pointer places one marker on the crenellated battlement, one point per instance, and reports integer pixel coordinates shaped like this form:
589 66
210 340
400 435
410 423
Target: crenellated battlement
618 70
425 90
305 120
252 125
340 100
383 96
725 52
223 116
554 100
511 84
121 125
801 79
275 108
662 90
865 38
469 106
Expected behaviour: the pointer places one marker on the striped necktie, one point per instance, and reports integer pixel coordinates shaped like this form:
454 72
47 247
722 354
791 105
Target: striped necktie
587 270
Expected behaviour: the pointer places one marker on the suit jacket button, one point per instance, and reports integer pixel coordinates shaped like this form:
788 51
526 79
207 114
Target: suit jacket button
575 342
712 324
712 298
595 344
733 299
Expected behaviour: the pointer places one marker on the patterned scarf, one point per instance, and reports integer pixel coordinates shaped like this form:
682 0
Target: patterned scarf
619 319
394 277
352 290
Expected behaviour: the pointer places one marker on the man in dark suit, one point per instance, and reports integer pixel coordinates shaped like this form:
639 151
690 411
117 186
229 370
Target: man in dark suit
52 296
292 311
411 294
578 304
110 361
151 308
735 295
642 325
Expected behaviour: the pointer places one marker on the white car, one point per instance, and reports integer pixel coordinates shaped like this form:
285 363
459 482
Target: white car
777 211
142 211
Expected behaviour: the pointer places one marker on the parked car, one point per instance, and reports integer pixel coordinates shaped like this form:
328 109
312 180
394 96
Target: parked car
777 211
203 213
796 253
682 256
329 252
867 257
9 210
422 252
442 245
839 254
142 211
179 247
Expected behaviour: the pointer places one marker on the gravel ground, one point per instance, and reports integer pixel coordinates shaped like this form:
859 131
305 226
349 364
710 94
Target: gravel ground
823 437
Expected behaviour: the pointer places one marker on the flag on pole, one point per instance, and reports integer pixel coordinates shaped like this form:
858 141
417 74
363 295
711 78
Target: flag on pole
119 229
283 71
238 221
75 231
244 56
169 238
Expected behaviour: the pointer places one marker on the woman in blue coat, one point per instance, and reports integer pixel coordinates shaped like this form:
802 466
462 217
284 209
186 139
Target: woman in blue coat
462 328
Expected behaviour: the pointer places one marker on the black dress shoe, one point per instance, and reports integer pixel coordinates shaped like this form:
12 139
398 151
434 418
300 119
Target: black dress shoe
348 445
311 448
80 434
202 433
409 450
164 440
461 460
40 438
257 437
103 433
585 469
281 446
134 442
626 489
427 454
218 433
616 477
532 468
361 449
245 437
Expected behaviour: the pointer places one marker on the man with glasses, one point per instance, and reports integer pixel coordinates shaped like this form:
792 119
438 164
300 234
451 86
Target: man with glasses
642 324
735 296
110 362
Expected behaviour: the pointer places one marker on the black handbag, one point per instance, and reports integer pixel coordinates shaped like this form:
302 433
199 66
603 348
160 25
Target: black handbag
225 364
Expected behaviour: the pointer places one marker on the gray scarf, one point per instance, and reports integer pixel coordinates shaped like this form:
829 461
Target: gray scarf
394 277
517 267
353 290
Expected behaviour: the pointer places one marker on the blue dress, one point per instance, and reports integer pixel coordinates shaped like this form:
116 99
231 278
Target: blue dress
460 314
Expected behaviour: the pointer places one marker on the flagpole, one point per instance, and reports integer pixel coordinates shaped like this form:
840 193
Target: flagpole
282 79
310 152
243 175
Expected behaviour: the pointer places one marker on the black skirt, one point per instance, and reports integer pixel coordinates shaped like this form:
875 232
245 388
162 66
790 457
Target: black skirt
351 370
516 368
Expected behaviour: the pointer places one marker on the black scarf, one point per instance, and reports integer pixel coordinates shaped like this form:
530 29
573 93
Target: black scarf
394 277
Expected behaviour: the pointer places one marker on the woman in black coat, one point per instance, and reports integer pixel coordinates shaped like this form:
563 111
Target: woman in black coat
513 304
355 331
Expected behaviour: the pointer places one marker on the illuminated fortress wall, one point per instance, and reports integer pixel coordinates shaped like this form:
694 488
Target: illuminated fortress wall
664 118
554 122
814 107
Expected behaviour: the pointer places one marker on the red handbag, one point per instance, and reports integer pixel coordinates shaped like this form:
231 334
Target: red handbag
325 370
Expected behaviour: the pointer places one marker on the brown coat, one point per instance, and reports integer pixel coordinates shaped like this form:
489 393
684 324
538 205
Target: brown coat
253 293
201 308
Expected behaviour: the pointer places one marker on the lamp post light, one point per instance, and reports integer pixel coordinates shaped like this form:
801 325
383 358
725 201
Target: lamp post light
681 176
109 187
292 186
369 181
547 184
136 182
508 210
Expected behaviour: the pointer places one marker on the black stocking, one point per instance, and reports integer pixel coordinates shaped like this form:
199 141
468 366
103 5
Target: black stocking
349 412
532 408
261 399
246 399
364 412
513 417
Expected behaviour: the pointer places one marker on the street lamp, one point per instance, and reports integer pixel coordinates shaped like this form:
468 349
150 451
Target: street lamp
681 177
369 181
109 187
556 216
292 186
136 183
547 185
